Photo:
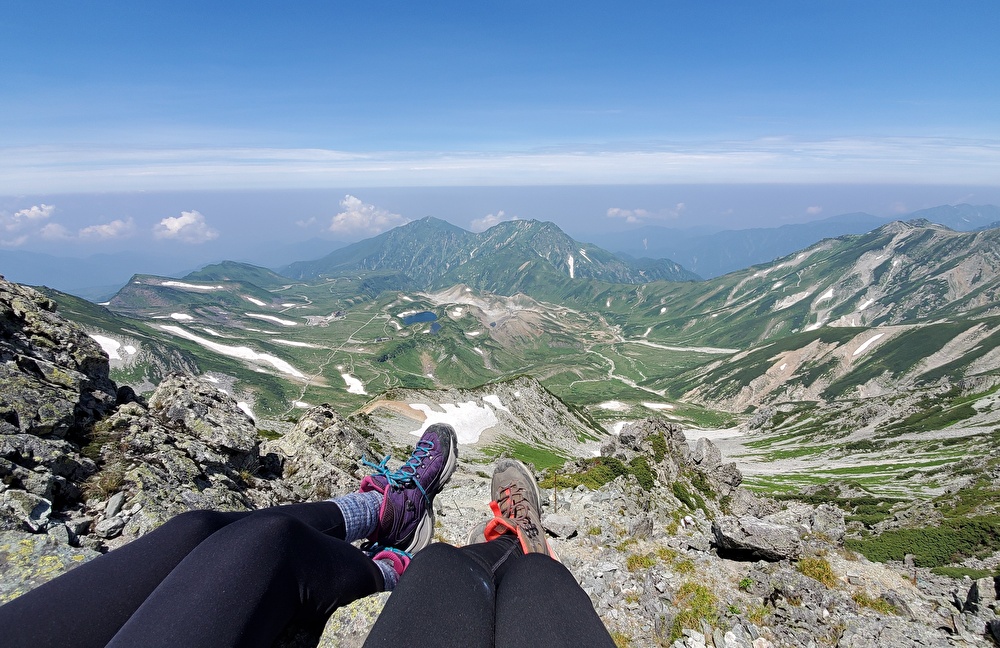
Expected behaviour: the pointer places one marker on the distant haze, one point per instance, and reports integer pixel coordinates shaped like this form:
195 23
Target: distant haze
201 226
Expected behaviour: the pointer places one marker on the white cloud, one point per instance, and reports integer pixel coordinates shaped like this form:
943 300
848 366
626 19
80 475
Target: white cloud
633 216
35 212
630 215
489 220
814 210
363 218
15 242
55 232
22 217
189 227
306 222
115 229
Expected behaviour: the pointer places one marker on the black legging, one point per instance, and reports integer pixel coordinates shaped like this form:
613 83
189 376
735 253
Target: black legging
203 578
487 594
215 579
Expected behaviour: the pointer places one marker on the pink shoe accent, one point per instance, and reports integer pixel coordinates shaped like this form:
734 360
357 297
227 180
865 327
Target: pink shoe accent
399 561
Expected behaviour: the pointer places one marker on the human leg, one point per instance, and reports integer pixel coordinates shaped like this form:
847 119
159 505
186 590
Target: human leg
95 600
243 584
539 603
448 593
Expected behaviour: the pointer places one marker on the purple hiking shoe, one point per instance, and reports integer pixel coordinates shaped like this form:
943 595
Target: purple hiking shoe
406 519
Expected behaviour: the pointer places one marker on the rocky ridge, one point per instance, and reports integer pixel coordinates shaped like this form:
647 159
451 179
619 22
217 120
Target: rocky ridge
671 550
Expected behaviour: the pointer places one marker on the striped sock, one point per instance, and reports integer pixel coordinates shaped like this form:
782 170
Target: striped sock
360 513
389 574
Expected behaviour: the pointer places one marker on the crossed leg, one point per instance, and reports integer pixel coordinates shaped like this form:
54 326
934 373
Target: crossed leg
201 579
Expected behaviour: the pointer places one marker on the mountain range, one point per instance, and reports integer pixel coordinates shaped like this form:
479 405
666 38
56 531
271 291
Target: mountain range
649 252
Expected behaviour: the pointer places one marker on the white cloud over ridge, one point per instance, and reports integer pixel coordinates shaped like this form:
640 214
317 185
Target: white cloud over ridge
634 216
360 217
34 213
189 227
489 220
24 218
55 232
117 228
630 215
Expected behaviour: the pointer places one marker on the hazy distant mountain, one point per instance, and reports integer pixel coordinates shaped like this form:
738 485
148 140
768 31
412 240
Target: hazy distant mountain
510 257
716 254
276 255
961 218
95 277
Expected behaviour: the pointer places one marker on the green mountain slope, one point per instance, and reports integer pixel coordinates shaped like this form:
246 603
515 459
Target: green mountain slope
515 256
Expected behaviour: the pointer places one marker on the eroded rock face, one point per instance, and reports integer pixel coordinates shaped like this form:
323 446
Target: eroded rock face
53 386
55 376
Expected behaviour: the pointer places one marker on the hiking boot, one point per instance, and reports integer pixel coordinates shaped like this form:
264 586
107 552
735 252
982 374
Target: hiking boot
517 507
478 533
406 519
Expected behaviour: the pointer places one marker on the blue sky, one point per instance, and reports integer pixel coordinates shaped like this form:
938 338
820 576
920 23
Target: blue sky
183 97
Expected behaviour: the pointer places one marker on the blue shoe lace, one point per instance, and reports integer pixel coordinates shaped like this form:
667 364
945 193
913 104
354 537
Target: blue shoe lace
407 473
373 549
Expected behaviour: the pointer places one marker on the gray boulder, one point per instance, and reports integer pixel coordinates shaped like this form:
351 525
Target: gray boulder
29 559
749 538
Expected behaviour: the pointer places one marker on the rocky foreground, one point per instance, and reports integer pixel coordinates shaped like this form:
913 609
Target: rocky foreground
672 551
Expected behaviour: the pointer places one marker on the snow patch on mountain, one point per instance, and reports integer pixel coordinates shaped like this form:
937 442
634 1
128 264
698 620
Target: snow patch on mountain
187 286
113 347
469 419
243 353
354 385
293 343
867 343
272 318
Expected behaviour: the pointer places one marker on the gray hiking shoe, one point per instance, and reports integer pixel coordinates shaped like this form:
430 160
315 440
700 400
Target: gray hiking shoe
516 507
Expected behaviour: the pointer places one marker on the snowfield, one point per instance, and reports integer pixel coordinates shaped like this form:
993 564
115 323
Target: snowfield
469 419
293 343
253 300
245 407
112 347
613 405
354 386
272 318
867 343
181 284
495 401
243 353
181 317
658 406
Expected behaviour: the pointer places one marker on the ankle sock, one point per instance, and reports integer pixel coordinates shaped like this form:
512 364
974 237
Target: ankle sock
389 574
360 512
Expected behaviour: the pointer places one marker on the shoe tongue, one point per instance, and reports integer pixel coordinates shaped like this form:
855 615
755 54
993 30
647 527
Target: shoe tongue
388 521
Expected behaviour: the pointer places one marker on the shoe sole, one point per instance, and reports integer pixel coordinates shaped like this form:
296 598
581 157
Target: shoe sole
425 527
